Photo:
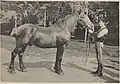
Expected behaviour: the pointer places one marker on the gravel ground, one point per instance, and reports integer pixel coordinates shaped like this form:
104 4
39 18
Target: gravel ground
39 63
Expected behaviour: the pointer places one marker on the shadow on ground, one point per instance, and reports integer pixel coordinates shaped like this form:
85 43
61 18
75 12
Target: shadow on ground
48 65
110 73
108 79
42 64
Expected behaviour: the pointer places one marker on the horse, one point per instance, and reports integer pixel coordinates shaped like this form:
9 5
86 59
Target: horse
56 36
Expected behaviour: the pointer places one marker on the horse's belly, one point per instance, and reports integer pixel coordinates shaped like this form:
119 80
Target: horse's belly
45 42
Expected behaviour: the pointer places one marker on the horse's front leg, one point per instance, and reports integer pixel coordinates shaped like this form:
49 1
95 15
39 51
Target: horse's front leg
59 55
98 47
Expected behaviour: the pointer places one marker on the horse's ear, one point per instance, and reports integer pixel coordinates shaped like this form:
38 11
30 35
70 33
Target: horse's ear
86 11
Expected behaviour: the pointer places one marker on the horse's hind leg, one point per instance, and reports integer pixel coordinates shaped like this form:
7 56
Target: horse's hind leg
11 67
59 55
13 55
21 64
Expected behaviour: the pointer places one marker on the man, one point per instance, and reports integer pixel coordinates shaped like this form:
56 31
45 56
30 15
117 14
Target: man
12 23
99 34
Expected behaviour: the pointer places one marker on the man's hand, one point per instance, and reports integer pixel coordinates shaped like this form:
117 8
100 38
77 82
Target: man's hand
94 34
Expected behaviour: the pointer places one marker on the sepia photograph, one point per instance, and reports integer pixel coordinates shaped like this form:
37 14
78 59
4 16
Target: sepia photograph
59 41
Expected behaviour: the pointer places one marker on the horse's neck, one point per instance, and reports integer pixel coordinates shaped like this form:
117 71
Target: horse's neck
67 24
70 24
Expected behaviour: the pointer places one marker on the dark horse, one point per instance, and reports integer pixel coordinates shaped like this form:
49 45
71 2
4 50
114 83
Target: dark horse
56 36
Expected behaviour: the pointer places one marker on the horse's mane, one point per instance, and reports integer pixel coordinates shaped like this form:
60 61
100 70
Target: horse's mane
62 21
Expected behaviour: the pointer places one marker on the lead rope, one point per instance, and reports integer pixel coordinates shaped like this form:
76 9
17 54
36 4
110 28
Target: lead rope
87 50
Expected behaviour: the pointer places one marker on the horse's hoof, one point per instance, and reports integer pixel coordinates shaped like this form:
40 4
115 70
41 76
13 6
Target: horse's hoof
96 72
60 72
100 74
23 70
11 71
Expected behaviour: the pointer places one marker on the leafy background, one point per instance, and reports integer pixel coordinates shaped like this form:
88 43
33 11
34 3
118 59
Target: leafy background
56 10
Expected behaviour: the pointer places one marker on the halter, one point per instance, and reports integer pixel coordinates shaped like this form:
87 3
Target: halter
82 22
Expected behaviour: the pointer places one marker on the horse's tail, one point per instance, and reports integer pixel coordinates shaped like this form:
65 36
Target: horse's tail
14 32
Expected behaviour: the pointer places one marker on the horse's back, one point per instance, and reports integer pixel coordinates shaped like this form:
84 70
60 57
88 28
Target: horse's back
24 26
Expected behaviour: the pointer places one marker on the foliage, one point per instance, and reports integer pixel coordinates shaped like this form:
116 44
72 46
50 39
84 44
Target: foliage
59 9
54 9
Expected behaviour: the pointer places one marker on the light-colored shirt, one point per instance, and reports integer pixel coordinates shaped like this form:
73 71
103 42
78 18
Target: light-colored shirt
101 24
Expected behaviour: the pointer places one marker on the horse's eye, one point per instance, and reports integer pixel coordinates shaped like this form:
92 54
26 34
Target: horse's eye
85 13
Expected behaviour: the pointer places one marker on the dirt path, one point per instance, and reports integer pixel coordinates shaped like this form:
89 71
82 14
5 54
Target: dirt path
39 63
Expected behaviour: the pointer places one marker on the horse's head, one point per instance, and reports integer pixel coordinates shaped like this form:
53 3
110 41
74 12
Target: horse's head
85 22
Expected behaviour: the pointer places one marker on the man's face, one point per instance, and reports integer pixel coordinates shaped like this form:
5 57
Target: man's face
96 19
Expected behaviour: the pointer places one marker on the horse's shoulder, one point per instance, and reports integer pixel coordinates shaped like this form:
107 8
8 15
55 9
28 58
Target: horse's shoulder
63 36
